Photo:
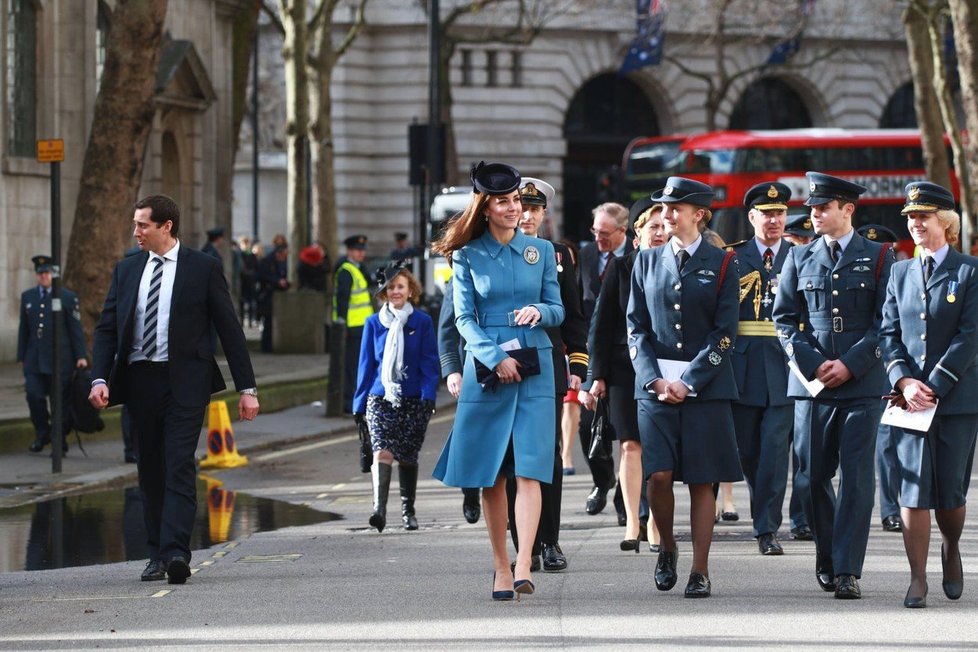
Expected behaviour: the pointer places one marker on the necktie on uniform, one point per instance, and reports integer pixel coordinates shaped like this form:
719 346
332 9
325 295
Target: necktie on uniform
928 268
768 259
152 310
681 259
835 249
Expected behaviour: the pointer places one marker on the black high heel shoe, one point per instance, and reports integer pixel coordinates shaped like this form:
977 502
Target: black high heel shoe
523 587
630 544
915 602
952 588
500 596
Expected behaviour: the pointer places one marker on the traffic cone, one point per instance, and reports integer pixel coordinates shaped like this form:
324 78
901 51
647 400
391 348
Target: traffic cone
221 453
220 509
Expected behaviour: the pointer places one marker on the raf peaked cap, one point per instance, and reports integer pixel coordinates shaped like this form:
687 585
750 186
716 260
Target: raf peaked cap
356 242
216 232
536 192
768 196
824 188
42 263
680 190
639 207
800 225
927 197
877 233
494 178
400 235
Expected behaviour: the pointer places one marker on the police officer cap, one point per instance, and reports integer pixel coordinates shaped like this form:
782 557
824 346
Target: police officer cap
877 233
216 232
494 178
42 263
768 196
824 188
400 235
384 276
800 225
639 207
356 242
927 197
536 192
680 190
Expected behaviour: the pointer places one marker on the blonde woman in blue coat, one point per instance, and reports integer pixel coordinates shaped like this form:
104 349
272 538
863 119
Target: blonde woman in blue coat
505 294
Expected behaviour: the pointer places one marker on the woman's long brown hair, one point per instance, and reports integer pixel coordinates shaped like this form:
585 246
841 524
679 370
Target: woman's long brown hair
464 227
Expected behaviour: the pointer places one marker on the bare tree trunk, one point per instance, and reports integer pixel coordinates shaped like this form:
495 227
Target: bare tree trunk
928 109
943 93
244 27
113 165
965 17
323 152
295 49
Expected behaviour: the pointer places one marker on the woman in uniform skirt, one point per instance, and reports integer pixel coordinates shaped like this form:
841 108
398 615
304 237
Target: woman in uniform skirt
505 294
397 380
682 322
929 339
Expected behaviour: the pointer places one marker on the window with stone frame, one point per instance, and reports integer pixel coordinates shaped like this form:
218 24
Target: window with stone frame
492 68
466 67
20 77
516 69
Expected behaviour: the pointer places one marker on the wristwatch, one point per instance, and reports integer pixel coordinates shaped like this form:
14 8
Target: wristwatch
251 391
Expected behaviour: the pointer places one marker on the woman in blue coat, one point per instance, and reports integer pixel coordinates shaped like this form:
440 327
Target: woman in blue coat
505 294
396 384
682 323
929 340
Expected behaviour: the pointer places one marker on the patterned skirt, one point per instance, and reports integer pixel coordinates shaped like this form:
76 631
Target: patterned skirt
400 430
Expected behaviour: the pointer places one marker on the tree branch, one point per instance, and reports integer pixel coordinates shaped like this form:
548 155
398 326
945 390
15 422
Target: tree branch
273 16
354 31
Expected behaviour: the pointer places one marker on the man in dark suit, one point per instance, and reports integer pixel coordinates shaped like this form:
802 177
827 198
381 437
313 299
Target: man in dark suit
35 350
610 229
153 352
273 276
570 340
215 237
763 415
827 314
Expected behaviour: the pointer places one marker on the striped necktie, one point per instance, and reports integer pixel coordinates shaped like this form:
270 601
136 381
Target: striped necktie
152 310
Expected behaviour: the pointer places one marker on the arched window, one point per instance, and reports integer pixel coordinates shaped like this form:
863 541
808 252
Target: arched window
20 77
900 111
770 103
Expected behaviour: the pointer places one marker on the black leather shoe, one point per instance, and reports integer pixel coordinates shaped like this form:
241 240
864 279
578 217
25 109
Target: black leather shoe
554 560
596 501
952 588
131 458
665 570
823 574
177 571
847 588
915 602
471 510
802 533
155 570
622 519
893 524
37 446
534 564
768 545
697 587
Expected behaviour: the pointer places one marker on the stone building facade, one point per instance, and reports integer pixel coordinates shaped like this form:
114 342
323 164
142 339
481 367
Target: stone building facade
52 54
556 108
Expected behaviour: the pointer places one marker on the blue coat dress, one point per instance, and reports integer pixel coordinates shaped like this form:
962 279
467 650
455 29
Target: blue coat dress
931 334
490 280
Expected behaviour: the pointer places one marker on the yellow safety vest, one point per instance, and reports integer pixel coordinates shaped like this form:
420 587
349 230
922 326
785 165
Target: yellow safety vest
360 307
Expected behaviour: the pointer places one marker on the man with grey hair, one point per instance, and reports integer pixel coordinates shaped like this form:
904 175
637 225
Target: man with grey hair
611 240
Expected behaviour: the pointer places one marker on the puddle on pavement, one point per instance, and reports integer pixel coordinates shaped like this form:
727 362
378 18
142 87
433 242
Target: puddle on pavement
107 526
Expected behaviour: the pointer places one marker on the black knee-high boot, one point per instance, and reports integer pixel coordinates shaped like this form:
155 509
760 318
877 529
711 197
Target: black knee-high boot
382 483
408 477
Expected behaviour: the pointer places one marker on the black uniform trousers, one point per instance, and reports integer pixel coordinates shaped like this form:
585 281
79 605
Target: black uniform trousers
351 364
838 435
167 435
548 531
762 440
38 389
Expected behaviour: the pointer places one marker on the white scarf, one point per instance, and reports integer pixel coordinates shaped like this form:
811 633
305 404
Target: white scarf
392 366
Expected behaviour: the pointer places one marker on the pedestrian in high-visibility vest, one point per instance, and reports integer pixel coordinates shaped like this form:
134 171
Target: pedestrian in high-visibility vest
351 303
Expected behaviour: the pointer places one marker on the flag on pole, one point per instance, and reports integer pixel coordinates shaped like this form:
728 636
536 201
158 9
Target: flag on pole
646 47
787 48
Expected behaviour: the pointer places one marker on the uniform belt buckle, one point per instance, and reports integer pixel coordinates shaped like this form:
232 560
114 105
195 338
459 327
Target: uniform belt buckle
837 324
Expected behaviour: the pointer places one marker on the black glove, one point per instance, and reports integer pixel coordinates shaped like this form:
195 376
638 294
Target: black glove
428 406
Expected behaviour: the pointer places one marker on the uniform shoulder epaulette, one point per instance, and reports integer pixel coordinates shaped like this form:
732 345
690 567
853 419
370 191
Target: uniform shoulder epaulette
732 245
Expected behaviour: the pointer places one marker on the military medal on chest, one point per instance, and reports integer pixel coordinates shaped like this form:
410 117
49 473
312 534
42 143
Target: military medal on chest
560 259
952 291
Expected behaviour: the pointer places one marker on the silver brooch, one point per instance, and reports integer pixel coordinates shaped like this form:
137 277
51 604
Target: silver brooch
531 255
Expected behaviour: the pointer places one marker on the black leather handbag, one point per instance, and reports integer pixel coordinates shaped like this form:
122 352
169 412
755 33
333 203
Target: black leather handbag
529 359
366 450
601 434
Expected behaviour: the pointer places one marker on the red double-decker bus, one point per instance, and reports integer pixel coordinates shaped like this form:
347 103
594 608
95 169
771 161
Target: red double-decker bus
883 160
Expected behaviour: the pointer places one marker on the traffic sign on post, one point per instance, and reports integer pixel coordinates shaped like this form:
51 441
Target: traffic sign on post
51 151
